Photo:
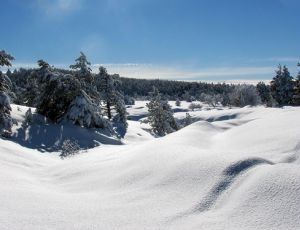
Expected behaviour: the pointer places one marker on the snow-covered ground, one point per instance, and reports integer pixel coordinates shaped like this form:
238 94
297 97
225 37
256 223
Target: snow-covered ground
231 169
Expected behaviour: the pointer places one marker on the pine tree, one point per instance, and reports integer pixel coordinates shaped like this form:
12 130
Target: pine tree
264 93
113 99
43 64
5 84
282 86
5 58
105 85
160 115
57 91
296 98
83 66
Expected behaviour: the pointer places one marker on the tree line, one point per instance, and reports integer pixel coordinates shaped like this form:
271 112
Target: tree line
76 96
98 99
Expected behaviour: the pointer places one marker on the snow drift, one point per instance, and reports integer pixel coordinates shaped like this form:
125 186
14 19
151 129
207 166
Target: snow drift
232 169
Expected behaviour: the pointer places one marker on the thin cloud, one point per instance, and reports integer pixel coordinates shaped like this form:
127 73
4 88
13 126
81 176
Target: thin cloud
151 71
165 72
54 8
276 60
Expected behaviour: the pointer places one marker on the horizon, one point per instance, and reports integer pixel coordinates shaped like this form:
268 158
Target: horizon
215 41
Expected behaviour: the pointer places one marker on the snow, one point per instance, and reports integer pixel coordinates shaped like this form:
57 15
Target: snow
231 169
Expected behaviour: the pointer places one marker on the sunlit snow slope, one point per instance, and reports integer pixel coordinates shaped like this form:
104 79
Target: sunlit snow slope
231 169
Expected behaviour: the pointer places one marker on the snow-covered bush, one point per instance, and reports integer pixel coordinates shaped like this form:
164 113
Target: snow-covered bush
160 116
69 148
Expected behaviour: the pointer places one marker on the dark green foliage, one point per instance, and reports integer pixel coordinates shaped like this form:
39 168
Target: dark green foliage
129 100
83 68
43 65
5 58
57 94
5 88
282 86
108 87
296 98
264 93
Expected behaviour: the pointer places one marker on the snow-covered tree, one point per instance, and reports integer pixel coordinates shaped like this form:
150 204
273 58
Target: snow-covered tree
160 115
121 114
58 91
83 66
243 95
43 64
113 99
5 58
264 93
105 85
83 112
5 84
282 86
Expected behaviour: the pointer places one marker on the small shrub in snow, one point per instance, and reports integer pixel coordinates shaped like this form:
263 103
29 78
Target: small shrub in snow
194 106
188 119
129 100
69 148
178 102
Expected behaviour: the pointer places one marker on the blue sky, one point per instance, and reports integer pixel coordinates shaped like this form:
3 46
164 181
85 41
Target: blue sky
175 39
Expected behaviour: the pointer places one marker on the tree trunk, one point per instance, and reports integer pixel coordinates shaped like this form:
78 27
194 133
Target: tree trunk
108 110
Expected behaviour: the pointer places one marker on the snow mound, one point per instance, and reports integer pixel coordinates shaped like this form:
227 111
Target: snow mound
232 169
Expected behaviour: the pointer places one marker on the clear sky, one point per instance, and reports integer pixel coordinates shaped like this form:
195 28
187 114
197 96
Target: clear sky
174 39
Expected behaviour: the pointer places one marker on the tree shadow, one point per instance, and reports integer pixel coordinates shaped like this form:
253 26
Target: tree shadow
44 135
